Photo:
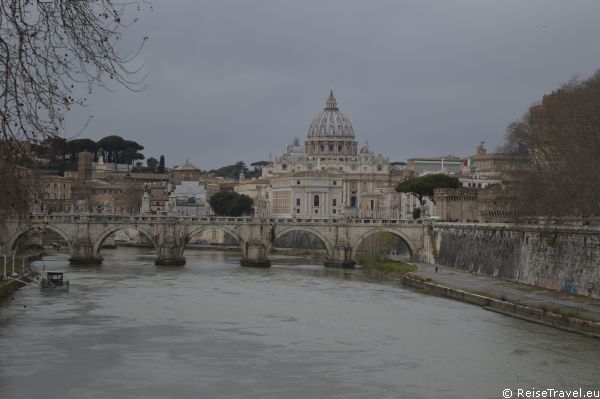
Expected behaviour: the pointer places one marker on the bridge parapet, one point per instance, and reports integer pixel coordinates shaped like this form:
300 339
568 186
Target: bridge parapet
127 218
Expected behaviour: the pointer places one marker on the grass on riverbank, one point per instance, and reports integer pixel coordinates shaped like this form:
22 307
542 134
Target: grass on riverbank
392 267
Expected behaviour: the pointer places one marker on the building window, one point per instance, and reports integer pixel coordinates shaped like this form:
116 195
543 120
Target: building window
297 201
284 167
379 167
335 202
334 212
297 181
297 210
316 211
316 200
353 202
335 182
330 147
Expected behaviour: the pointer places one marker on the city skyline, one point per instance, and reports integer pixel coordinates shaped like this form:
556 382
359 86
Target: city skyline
240 81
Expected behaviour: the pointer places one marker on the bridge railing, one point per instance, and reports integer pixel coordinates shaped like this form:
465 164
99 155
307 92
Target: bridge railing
152 218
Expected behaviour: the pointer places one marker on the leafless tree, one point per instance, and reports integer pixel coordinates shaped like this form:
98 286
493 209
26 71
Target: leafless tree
82 196
562 137
377 247
133 197
54 53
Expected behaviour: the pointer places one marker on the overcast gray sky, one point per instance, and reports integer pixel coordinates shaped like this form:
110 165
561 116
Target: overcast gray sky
238 80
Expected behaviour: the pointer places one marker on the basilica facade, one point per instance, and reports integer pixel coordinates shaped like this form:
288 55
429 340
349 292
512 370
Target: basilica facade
330 175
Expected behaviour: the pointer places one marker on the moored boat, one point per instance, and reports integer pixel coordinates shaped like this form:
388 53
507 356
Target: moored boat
54 280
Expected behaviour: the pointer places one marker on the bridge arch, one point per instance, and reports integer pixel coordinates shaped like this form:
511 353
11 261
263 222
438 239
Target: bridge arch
22 230
315 232
114 228
197 230
375 230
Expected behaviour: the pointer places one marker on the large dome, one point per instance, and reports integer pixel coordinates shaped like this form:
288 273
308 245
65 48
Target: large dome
331 122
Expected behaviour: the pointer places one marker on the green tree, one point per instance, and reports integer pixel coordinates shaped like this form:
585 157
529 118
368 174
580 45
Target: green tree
130 154
230 203
111 146
152 164
161 164
74 147
422 187
260 164
231 171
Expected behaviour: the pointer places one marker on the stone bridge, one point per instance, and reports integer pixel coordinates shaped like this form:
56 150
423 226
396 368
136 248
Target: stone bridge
85 233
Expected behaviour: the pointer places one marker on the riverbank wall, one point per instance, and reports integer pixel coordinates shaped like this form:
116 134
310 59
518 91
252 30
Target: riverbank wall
8 284
557 257
540 316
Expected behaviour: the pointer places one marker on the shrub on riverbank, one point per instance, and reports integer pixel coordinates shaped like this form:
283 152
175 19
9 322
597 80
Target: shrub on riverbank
392 267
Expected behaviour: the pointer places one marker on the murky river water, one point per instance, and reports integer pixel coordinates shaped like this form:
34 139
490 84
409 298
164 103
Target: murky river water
212 329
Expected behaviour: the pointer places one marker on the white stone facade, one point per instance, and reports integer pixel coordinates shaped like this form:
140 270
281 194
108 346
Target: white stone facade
330 176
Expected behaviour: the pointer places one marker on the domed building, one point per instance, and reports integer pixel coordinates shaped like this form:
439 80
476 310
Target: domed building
330 176
331 132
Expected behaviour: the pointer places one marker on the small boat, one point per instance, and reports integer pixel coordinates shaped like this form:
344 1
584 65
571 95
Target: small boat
54 280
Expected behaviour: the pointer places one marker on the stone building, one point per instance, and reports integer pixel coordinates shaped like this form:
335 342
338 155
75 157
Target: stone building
486 205
457 204
450 164
494 205
496 165
158 196
330 175
184 172
306 194
55 193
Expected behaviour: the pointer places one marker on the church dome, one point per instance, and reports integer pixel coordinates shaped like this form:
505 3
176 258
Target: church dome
186 166
331 122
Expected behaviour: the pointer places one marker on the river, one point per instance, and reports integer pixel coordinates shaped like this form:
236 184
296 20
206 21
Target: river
213 329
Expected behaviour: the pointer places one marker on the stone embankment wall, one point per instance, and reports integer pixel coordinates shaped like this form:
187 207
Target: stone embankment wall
561 258
520 311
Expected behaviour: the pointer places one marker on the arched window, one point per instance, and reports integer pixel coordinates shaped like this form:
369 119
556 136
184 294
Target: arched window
316 200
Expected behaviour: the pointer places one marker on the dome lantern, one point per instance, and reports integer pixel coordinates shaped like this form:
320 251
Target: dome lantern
331 103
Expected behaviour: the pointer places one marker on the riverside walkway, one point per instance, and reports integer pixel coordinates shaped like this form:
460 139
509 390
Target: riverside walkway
540 298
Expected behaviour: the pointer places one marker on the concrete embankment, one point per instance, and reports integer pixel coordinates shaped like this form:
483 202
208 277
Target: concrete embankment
7 288
546 313
22 275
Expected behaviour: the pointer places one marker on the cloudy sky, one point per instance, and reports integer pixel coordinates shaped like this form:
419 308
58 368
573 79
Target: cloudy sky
238 80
